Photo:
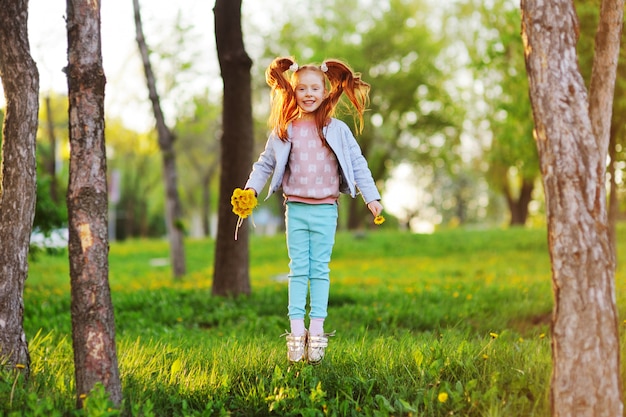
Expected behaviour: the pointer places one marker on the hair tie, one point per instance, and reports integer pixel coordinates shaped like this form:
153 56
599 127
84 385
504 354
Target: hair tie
293 67
323 67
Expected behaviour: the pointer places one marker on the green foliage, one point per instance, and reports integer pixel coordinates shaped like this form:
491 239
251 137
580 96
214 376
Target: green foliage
49 214
454 323
497 62
395 44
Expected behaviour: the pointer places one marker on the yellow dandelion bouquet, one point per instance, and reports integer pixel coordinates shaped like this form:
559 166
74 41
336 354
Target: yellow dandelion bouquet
378 220
243 201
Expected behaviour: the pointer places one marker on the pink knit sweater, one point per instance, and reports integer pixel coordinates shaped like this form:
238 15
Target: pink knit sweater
312 175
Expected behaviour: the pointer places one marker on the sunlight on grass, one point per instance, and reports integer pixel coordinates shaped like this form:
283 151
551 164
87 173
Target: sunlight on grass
451 323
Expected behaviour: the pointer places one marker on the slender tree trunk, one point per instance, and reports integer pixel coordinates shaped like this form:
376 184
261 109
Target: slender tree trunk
93 323
18 182
572 135
231 257
173 211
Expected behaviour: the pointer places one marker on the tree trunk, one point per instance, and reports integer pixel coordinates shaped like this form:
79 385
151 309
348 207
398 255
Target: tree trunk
173 211
20 81
355 214
231 257
572 135
519 207
93 324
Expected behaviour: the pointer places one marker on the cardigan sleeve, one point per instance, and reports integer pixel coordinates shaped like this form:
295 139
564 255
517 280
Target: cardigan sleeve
362 174
262 168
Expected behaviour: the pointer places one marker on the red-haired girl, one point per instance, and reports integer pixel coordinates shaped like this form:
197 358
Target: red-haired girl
313 157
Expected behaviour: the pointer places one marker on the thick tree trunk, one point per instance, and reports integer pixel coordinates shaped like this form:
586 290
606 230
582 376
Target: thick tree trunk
572 138
93 324
20 81
231 257
173 211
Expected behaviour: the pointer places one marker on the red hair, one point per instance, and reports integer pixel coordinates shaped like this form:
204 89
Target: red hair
341 79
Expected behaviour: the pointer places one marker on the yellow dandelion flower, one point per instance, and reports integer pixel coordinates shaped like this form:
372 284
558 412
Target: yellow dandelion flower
378 220
244 202
493 335
442 397
20 366
82 396
542 335
485 356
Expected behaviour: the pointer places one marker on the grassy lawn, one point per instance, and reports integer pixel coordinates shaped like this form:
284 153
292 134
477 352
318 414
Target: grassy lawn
453 323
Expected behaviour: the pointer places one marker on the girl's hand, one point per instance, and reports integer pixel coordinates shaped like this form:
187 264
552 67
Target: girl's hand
375 207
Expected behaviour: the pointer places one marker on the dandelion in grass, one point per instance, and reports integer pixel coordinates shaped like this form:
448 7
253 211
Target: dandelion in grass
244 202
542 335
378 220
442 397
493 335
20 366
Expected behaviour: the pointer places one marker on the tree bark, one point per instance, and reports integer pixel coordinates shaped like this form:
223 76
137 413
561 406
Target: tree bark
20 81
572 139
93 324
231 275
173 211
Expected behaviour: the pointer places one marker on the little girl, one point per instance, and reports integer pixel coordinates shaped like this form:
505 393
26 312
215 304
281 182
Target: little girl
313 157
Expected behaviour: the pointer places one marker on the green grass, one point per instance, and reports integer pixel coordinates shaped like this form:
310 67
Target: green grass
418 317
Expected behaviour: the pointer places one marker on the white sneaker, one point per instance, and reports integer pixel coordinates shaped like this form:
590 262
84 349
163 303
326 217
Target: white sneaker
316 347
296 346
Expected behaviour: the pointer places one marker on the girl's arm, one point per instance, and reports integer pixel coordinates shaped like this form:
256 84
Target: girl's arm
262 168
363 175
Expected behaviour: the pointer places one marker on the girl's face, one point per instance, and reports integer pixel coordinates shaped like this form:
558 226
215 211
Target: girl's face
309 91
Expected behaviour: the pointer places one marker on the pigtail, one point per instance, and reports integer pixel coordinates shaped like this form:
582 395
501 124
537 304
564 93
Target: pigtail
343 80
284 108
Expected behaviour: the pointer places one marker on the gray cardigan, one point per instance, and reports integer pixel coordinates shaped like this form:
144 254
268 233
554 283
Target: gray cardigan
355 174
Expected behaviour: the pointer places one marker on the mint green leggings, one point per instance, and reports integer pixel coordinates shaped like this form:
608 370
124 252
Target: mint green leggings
310 233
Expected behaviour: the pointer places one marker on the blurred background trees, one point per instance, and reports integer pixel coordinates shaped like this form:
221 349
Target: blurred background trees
448 135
